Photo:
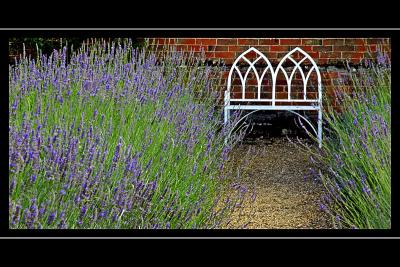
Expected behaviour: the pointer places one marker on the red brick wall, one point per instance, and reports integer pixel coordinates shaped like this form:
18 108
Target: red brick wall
330 54
325 51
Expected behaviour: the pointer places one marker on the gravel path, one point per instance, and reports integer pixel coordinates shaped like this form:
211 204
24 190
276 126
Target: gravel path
284 198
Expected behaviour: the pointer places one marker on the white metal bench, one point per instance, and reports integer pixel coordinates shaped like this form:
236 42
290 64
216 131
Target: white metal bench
289 104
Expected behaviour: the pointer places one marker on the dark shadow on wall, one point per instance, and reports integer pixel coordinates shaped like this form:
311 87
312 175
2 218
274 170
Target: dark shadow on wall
16 46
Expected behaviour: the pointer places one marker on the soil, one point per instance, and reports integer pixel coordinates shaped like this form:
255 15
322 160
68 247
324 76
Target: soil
286 197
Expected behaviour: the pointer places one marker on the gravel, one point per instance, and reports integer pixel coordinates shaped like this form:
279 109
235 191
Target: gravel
285 199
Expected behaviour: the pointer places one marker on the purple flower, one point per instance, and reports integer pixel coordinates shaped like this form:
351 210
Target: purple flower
381 58
355 122
149 164
116 153
74 157
16 216
12 186
194 169
102 214
33 178
51 218
366 190
83 211
322 207
41 211
62 224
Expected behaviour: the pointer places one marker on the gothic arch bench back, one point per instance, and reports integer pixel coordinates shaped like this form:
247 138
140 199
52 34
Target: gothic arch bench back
264 100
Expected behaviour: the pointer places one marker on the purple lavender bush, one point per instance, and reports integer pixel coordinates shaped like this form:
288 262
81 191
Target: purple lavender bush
355 161
115 138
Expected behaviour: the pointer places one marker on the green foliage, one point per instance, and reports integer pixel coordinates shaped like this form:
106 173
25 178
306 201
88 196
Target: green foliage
356 153
114 139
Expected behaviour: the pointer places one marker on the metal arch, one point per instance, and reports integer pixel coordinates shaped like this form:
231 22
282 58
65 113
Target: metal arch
294 112
227 98
245 116
251 64
234 66
304 118
297 66
314 67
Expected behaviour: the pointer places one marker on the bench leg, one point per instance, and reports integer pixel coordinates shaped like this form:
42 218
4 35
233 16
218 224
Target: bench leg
320 128
226 120
226 115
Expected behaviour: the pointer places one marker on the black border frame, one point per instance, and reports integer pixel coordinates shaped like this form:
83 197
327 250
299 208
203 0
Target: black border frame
222 33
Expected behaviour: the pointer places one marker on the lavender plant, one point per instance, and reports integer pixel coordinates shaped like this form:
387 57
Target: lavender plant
356 155
115 138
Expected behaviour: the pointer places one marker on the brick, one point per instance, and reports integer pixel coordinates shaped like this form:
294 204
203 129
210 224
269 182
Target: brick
326 48
372 48
224 54
170 41
237 88
296 56
181 47
263 49
322 61
210 54
228 41
249 95
251 81
356 55
279 48
314 55
268 42
221 48
228 61
360 48
377 40
236 95
329 55
307 48
236 48
251 88
344 48
236 81
266 82
350 41
355 60
296 95
281 81
187 41
281 95
251 55
272 55
280 88
333 42
206 41
247 41
311 41
290 41
195 48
